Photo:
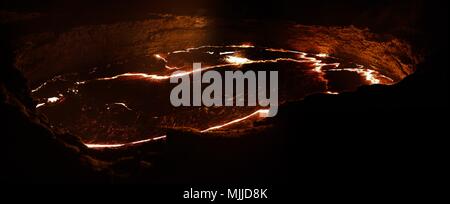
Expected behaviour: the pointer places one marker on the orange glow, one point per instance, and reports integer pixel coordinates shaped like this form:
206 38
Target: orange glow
50 101
322 55
123 105
332 92
231 57
371 76
260 113
227 53
161 58
237 60
246 45
138 75
53 100
165 61
99 146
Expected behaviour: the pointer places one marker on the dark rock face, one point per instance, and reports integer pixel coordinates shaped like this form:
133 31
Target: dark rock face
35 152
376 133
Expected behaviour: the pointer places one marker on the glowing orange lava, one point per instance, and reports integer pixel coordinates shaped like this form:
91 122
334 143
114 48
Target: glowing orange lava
230 56
260 113
237 60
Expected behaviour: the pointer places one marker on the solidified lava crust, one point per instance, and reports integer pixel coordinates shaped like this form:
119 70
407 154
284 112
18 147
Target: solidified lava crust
45 152
63 70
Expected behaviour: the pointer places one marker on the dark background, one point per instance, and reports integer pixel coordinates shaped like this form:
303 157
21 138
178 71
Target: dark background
378 13
419 21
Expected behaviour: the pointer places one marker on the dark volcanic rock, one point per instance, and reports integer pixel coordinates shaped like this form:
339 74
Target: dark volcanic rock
375 135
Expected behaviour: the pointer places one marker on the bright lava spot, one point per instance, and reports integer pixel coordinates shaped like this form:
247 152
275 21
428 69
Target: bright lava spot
100 146
246 45
226 53
237 60
123 105
53 100
332 92
261 113
322 55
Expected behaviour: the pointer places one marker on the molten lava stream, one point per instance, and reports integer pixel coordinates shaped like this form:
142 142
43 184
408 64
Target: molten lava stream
260 113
